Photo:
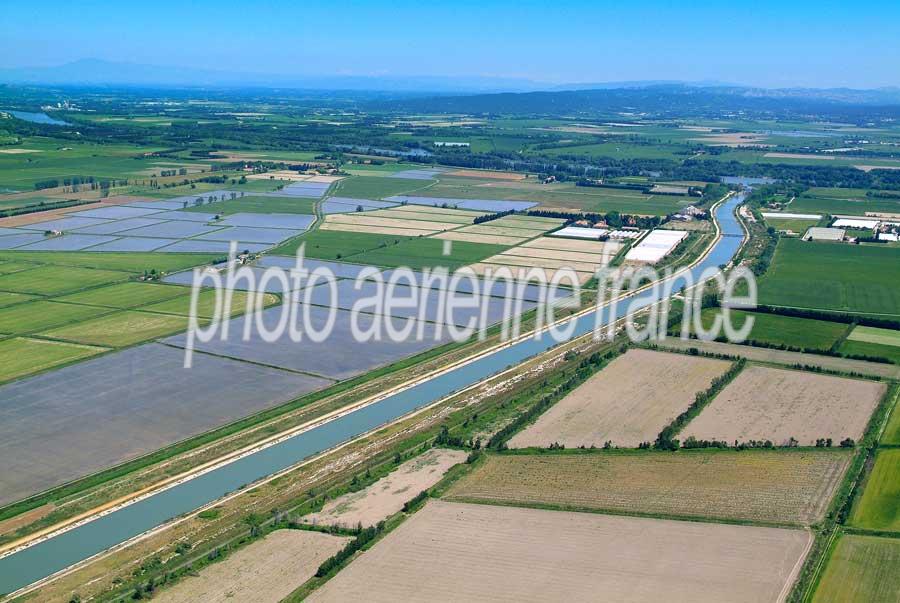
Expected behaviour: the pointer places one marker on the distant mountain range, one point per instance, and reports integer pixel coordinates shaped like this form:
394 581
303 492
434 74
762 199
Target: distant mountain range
476 90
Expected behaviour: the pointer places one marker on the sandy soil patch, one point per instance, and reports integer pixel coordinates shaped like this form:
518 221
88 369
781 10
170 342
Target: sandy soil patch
403 232
487 174
570 245
456 235
628 402
461 552
777 404
14 523
387 496
869 168
279 175
265 571
758 485
799 156
368 220
517 260
19 151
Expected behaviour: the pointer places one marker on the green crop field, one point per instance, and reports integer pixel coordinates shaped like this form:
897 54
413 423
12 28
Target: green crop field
864 348
9 267
877 508
206 304
21 356
39 315
563 195
871 341
833 276
258 205
128 262
830 205
8 299
51 280
125 295
421 253
887 337
861 568
120 328
335 245
782 330
798 225
891 435
376 187
58 158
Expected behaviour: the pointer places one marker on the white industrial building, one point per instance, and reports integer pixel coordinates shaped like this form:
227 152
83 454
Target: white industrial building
655 246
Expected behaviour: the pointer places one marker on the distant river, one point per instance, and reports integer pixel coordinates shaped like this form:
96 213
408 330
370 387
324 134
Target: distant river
38 118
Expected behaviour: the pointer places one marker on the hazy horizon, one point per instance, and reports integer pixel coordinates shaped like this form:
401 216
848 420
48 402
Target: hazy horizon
804 44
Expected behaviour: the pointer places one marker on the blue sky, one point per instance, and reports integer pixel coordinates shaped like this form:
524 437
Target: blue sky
786 43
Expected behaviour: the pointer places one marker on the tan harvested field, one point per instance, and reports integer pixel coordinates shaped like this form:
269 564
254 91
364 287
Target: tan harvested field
628 402
538 220
569 245
462 552
777 404
526 222
758 485
279 175
416 215
520 272
19 151
323 178
503 231
517 260
430 209
401 232
486 174
668 188
265 571
456 235
366 219
769 355
387 496
557 254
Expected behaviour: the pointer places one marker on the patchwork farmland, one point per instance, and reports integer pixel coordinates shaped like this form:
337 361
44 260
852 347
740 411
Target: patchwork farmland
429 466
627 403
